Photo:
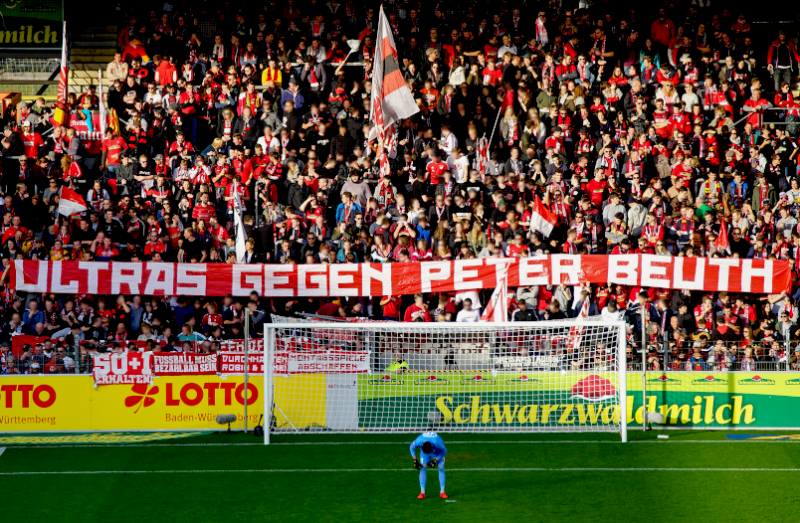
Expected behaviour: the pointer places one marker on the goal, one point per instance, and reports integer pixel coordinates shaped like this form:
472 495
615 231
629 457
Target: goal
381 377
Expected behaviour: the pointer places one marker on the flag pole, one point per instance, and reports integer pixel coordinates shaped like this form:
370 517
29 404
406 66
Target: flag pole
246 361
496 120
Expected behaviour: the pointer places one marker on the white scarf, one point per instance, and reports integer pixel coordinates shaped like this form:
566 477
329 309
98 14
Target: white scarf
541 33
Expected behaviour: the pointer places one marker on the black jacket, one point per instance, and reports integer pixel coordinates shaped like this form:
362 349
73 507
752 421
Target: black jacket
250 133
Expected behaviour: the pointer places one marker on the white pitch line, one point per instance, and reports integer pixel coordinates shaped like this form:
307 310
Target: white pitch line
2 449
406 470
334 443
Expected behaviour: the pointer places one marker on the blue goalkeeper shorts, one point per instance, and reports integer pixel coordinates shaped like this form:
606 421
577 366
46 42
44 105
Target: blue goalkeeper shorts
426 458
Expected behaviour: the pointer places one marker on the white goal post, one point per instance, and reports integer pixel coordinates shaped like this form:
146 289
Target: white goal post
382 377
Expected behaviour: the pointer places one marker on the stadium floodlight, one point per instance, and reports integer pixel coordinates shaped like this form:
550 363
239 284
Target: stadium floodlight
554 376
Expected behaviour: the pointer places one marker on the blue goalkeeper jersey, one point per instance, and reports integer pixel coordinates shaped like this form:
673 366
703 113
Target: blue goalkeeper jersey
439 450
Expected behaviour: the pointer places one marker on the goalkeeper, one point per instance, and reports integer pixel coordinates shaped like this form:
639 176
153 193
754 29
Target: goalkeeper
432 455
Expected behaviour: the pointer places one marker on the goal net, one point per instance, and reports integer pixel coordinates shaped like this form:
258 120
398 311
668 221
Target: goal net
556 376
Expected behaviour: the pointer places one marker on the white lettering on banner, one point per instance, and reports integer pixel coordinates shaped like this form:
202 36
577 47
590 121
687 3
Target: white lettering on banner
695 284
654 273
155 278
565 264
513 362
58 286
191 279
383 274
40 285
129 367
126 275
316 275
623 269
724 265
251 274
532 271
327 362
91 278
256 345
749 272
271 279
501 266
286 362
461 275
341 275
162 276
234 363
433 271
177 363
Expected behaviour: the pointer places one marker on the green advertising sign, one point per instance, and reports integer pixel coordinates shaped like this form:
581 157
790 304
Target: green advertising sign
31 24
553 401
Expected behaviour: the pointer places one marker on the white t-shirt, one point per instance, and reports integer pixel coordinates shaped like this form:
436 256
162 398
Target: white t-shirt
459 168
154 99
468 316
273 146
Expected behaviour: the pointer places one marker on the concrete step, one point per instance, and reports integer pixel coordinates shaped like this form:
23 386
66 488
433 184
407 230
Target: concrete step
89 66
96 33
112 28
76 52
89 76
99 29
95 44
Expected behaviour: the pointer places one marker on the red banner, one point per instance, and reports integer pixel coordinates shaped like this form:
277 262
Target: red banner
233 363
93 141
322 362
20 340
181 363
129 368
289 362
256 344
382 279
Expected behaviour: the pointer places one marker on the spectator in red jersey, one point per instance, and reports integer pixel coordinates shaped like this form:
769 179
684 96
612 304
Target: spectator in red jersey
417 311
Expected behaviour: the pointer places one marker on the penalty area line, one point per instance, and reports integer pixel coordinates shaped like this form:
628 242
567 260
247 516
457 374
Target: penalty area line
336 443
406 470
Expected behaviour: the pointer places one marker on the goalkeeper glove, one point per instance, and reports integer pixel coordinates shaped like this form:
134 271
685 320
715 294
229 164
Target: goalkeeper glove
417 464
433 463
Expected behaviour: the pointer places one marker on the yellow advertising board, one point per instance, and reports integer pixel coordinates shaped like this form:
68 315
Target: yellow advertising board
71 403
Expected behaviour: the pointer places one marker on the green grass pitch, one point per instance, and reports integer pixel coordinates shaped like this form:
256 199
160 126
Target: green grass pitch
692 476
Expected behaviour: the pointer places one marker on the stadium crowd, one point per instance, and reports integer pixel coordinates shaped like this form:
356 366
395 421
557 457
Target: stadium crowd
644 131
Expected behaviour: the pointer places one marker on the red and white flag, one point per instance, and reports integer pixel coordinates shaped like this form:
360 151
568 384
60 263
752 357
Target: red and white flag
102 104
392 100
60 114
722 242
576 333
70 202
482 155
542 220
497 308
